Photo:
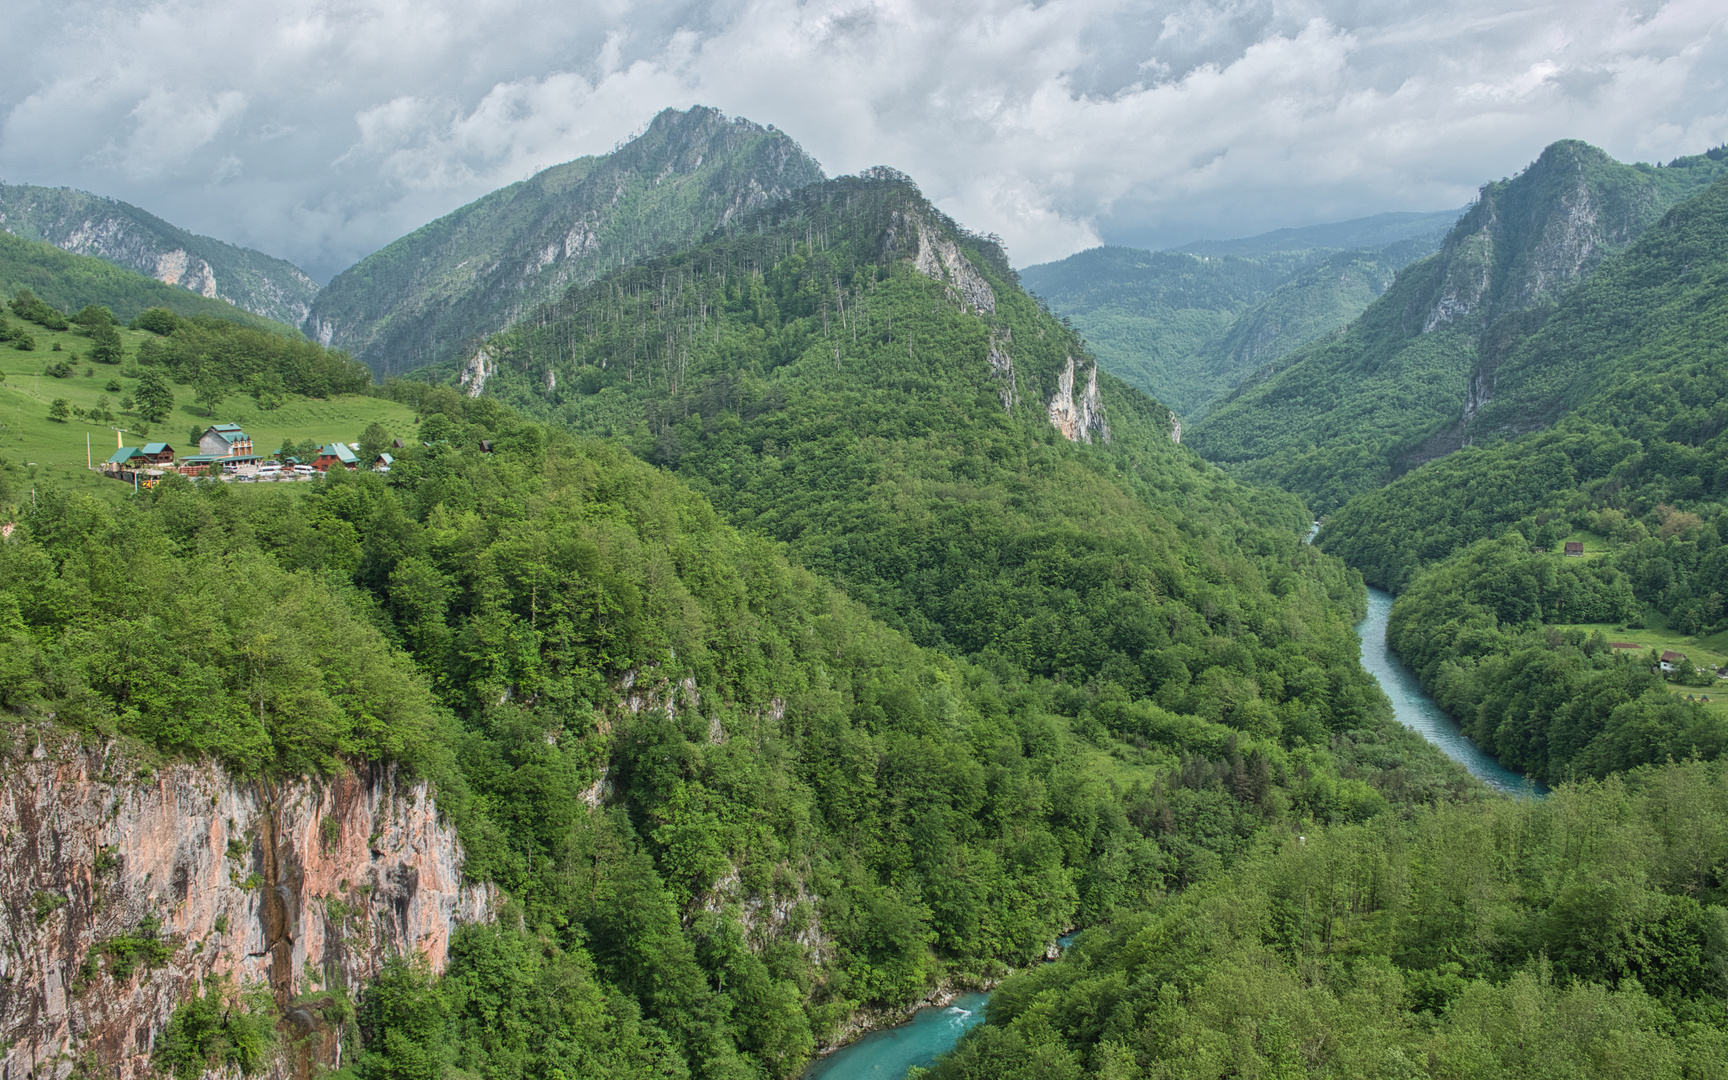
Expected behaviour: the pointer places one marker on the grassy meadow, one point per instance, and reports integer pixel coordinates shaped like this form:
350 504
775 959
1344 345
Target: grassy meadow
56 450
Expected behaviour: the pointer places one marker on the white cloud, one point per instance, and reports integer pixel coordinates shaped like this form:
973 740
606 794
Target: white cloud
320 131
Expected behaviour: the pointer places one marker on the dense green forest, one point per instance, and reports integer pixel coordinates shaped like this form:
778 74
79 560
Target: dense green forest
1550 703
267 365
1581 935
1403 383
825 392
477 615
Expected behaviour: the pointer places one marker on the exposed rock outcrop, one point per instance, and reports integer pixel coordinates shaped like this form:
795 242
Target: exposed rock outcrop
480 367
939 258
1079 417
1528 239
305 887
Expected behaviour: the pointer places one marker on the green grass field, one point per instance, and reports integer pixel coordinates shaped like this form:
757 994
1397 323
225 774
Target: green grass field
1709 651
1594 545
55 451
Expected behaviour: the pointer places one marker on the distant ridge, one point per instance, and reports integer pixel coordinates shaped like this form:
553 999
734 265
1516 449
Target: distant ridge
137 240
1376 231
1187 324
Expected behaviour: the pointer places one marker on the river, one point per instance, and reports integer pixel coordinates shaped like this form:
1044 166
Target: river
887 1054
1415 709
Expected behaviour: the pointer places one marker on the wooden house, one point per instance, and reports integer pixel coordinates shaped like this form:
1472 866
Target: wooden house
1575 548
335 454
224 440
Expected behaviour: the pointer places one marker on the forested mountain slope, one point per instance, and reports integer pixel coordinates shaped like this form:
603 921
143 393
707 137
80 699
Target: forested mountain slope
1186 325
1316 302
437 291
128 237
1398 386
1148 314
1630 364
850 373
728 806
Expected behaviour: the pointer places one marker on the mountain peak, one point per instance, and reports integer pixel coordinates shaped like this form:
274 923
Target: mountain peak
434 294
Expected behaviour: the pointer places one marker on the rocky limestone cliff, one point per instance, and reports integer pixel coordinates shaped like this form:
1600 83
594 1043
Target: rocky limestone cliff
480 367
305 887
1078 418
938 258
1528 239
1002 366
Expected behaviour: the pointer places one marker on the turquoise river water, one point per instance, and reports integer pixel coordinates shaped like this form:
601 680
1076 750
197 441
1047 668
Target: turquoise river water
887 1054
1415 709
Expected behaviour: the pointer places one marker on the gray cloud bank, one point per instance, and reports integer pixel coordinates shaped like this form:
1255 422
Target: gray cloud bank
319 131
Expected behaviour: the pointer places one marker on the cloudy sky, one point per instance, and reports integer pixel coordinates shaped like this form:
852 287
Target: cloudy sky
319 130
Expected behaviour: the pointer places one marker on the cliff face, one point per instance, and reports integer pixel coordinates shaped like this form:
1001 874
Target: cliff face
1078 415
305 887
128 237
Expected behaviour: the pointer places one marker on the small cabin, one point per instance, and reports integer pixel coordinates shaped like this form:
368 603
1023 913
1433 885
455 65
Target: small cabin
384 462
1671 660
1575 548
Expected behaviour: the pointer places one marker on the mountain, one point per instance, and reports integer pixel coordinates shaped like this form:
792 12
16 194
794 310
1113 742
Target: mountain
128 237
839 635
1319 300
1626 372
1186 325
69 282
1343 415
434 293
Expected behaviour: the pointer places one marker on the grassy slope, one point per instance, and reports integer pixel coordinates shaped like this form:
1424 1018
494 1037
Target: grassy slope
27 435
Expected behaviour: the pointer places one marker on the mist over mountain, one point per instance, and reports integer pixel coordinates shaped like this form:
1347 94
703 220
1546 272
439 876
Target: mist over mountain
436 292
